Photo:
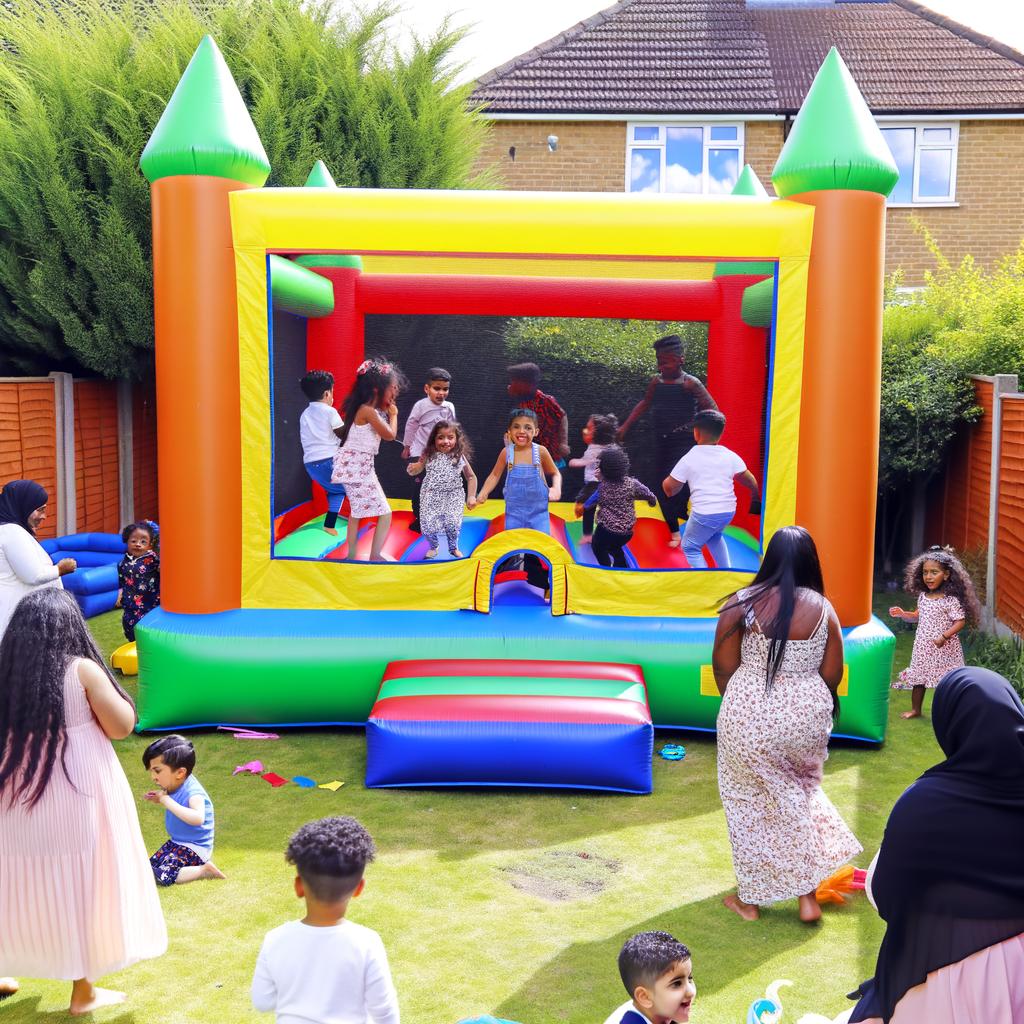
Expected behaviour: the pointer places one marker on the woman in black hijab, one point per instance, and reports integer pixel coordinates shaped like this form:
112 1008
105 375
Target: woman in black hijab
949 877
24 564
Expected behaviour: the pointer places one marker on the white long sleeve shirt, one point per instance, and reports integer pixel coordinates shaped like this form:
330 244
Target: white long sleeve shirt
24 565
420 423
335 975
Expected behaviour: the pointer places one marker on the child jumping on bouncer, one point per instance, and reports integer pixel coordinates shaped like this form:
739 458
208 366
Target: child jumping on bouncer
444 462
370 416
552 423
527 466
320 430
674 398
597 435
711 471
425 414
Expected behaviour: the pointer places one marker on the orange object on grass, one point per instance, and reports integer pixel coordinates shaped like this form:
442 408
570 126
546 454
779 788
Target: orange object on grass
840 884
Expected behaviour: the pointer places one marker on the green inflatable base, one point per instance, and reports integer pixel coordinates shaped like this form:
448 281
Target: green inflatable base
288 667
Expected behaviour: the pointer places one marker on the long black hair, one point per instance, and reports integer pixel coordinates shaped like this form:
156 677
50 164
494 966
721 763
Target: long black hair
373 378
790 561
45 632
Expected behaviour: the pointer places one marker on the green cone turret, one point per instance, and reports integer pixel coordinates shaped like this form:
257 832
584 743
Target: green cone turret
206 128
834 142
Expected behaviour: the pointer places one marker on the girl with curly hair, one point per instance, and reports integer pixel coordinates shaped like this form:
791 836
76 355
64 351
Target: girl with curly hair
946 602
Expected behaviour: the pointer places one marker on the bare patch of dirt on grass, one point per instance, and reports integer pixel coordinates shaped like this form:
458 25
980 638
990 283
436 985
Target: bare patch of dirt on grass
562 875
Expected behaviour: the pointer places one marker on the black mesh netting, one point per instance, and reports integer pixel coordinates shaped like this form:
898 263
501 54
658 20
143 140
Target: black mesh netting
476 350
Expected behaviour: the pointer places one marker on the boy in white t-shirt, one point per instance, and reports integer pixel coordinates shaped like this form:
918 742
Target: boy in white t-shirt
320 429
325 969
657 971
711 470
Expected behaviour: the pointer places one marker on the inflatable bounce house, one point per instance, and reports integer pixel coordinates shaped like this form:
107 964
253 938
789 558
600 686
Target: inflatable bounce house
265 622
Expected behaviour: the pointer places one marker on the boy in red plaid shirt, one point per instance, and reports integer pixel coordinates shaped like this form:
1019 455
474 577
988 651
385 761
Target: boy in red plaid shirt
552 423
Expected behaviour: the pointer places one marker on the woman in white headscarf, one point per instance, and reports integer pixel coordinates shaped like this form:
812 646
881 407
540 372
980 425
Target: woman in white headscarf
24 564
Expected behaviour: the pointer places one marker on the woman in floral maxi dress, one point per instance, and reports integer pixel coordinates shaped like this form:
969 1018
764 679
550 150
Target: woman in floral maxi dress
773 730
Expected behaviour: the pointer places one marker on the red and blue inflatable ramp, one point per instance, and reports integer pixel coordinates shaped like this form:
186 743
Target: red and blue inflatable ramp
483 722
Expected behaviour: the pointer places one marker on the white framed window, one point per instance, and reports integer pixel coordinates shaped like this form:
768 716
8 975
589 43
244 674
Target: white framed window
926 156
699 159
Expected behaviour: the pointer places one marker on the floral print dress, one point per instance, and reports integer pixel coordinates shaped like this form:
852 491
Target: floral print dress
139 580
786 835
928 663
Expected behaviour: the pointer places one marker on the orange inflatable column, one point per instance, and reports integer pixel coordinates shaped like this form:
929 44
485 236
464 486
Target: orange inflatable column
837 161
204 147
839 404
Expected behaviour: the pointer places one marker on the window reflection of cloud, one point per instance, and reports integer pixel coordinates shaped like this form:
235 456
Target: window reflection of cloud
723 171
679 179
933 180
643 171
901 145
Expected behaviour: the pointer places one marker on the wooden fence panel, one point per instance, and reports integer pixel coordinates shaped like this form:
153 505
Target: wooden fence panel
96 456
1010 529
28 440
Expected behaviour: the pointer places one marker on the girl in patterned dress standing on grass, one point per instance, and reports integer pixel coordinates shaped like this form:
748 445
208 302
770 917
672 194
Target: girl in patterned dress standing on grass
946 602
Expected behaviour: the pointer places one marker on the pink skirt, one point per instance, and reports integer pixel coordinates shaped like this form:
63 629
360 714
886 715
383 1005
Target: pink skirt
366 497
985 988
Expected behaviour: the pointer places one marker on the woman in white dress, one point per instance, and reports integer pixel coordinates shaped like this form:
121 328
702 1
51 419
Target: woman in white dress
24 565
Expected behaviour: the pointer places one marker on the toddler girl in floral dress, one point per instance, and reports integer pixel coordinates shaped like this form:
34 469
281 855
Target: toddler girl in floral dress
946 602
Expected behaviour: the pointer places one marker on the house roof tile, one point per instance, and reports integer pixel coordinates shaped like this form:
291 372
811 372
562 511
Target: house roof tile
728 56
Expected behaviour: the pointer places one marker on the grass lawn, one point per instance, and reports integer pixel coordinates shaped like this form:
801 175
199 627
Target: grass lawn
485 900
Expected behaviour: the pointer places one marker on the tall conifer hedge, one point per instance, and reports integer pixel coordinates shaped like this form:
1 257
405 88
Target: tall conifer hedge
82 85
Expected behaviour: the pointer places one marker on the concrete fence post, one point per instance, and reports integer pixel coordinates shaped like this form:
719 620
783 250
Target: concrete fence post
125 453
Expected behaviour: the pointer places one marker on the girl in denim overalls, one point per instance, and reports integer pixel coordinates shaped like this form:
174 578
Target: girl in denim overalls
527 493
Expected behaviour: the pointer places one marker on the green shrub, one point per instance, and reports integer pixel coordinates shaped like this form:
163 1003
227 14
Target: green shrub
1001 654
81 88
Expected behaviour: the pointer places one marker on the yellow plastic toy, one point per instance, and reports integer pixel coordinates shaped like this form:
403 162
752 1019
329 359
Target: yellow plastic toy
126 658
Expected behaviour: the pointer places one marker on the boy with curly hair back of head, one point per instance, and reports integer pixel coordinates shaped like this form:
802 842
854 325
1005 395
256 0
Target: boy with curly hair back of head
325 968
657 971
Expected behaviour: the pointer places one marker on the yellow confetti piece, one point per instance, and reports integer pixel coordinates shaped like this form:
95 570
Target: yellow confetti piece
332 786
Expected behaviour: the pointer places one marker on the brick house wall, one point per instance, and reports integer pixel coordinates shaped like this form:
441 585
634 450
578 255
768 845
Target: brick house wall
988 222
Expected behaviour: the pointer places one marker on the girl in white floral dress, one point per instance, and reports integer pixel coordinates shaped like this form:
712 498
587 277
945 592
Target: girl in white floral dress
370 416
778 661
946 601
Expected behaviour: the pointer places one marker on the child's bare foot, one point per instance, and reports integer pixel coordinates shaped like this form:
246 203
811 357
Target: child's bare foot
748 911
210 870
547 595
810 911
456 553
586 538
331 530
674 540
432 553
911 714
8 986
86 997
382 558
